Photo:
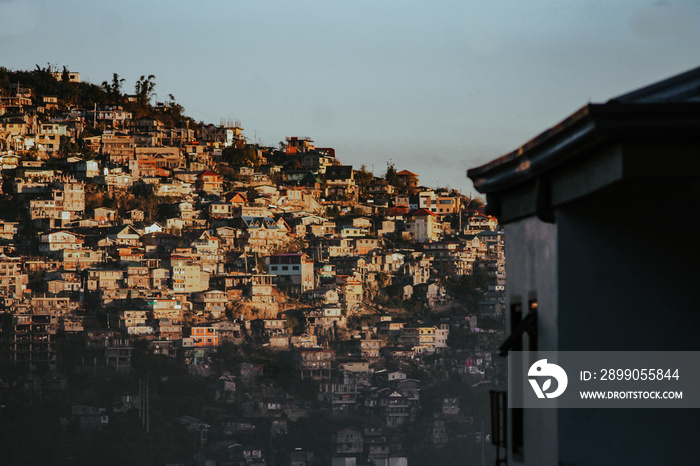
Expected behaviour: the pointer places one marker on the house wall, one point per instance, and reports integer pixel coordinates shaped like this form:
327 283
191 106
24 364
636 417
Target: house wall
617 292
531 273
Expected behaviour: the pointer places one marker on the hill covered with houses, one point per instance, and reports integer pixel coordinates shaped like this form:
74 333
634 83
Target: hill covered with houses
172 294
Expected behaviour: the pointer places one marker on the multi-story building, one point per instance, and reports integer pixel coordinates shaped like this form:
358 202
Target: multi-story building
209 182
314 363
29 337
8 230
202 337
187 277
167 307
60 241
119 147
423 226
103 279
292 271
421 339
13 280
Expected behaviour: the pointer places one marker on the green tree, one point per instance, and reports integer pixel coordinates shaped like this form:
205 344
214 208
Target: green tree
363 177
114 89
391 176
65 77
144 90
333 211
240 156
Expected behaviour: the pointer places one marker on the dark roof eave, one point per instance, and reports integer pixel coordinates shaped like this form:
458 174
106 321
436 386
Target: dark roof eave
592 125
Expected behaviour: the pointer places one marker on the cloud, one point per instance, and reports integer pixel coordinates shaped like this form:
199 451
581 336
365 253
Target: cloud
663 19
17 17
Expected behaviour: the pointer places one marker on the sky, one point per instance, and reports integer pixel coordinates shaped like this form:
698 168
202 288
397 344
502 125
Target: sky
435 87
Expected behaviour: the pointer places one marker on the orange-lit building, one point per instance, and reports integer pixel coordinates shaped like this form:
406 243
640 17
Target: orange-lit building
202 337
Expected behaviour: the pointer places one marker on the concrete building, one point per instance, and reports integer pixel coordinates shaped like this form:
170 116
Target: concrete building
293 271
582 274
423 226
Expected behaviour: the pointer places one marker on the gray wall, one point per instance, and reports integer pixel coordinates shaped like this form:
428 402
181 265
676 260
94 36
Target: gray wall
627 278
531 273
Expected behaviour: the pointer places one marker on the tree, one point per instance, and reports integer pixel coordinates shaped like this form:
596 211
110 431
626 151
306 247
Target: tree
468 289
363 177
474 202
240 156
174 115
114 89
391 176
144 89
333 211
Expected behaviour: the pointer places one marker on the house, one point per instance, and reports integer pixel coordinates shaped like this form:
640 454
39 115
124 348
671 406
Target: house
8 230
167 307
153 227
159 278
340 182
121 235
117 146
103 279
423 225
109 117
59 241
296 145
380 188
202 337
575 203
104 215
480 222
348 441
218 210
444 205
85 169
213 302
350 291
223 135
420 339
13 280
137 276
209 182
393 406
316 161
72 76
236 198
292 271
314 363
89 418
80 259
136 215
407 179
187 276
260 234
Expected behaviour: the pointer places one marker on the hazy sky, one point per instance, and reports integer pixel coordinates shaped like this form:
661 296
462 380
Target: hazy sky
434 86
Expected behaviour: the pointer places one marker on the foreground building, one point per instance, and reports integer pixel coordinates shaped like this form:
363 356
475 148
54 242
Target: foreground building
582 274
